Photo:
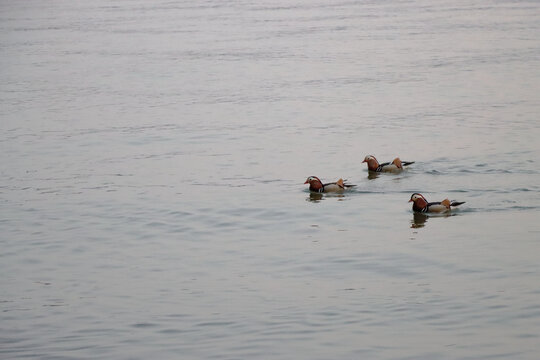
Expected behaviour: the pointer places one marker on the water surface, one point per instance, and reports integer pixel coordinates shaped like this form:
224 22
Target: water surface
153 160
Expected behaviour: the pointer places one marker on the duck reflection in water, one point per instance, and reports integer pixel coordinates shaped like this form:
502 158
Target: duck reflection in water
317 197
419 220
314 197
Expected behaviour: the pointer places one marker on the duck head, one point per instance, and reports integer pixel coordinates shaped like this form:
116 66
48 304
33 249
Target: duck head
419 200
371 161
314 182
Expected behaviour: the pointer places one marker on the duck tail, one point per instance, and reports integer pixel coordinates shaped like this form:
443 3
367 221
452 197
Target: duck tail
407 163
457 203
344 184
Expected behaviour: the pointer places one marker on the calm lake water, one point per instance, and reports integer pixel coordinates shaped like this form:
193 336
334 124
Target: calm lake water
153 161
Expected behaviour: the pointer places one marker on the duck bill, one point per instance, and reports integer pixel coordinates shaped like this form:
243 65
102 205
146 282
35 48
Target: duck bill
307 182
410 200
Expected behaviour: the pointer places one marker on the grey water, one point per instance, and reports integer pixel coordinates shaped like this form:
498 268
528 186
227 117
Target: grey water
153 159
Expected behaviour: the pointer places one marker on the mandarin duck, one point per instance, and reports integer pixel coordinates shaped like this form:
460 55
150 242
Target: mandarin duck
420 204
316 185
395 166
